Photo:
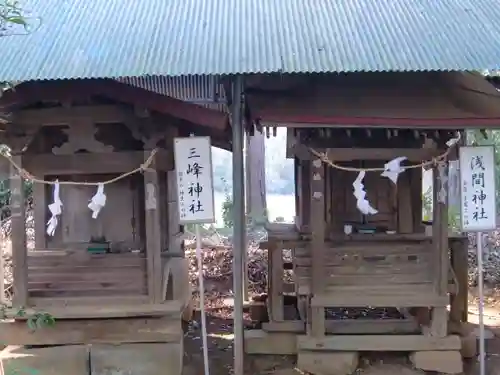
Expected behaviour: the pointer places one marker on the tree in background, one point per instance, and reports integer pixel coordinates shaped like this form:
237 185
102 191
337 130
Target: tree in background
227 206
13 21
11 14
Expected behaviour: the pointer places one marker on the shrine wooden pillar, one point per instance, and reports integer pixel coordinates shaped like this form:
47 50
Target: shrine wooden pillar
317 225
276 306
153 231
303 194
459 261
40 214
18 237
439 319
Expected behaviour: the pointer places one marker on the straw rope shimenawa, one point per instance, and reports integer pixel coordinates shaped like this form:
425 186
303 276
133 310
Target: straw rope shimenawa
435 161
28 176
145 166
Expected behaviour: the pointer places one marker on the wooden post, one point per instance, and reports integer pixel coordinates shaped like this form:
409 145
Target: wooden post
39 213
404 197
175 235
19 249
459 262
439 326
415 175
317 222
304 194
275 284
153 233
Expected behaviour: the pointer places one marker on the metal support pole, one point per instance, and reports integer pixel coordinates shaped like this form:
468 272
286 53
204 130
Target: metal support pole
199 256
239 230
482 349
248 211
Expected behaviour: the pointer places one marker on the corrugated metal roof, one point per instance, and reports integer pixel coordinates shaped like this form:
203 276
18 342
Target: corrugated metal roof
118 38
202 90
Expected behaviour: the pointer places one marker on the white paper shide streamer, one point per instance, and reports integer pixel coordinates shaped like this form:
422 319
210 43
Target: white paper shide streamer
453 141
55 209
98 201
359 192
393 168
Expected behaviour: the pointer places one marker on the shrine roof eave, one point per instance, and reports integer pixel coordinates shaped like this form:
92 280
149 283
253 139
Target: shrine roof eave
62 90
311 121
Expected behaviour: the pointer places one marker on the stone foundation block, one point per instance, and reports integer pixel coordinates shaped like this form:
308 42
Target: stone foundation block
469 346
137 359
56 360
318 363
447 362
276 343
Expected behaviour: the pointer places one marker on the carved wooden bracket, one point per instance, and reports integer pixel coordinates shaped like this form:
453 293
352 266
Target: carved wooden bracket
82 137
149 132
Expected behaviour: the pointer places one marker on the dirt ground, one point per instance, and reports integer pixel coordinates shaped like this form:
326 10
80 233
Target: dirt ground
219 325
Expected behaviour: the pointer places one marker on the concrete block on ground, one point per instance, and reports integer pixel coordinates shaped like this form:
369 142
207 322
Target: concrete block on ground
279 343
327 363
55 360
137 359
447 362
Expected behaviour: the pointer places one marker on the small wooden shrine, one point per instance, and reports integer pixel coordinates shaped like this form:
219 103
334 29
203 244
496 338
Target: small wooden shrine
120 277
366 278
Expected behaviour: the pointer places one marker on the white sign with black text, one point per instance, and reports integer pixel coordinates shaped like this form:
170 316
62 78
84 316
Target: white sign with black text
193 166
477 187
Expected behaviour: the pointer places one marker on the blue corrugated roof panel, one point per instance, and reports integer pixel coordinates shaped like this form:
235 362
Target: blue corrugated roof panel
202 90
123 38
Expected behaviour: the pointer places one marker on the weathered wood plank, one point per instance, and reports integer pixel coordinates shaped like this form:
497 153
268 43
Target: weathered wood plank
350 154
275 286
93 163
415 175
381 298
126 308
459 262
378 343
131 284
93 331
77 273
332 280
439 319
369 249
404 204
292 238
304 193
64 258
355 265
350 327
175 235
153 233
18 236
317 245
102 275
44 303
98 114
40 214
